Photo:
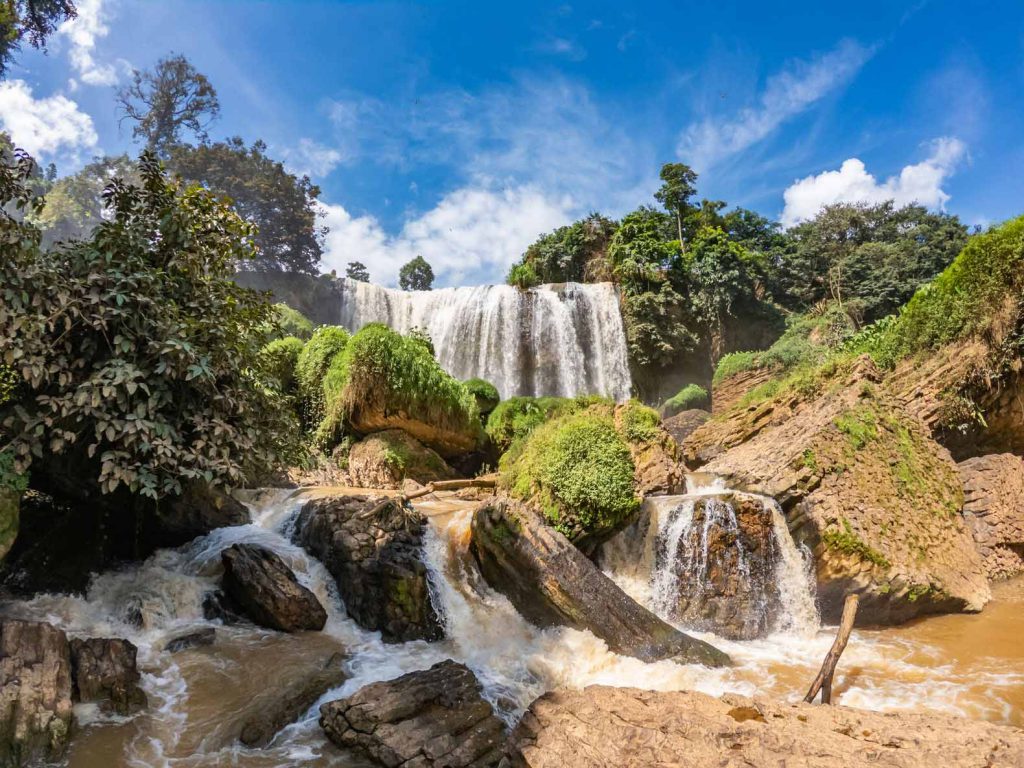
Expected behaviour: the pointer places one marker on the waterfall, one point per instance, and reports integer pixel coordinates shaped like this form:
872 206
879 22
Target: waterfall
565 339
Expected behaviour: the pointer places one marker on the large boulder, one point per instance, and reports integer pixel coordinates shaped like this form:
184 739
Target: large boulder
629 728
684 423
9 506
385 459
272 710
104 670
863 485
552 583
436 718
259 582
374 551
656 458
35 693
994 509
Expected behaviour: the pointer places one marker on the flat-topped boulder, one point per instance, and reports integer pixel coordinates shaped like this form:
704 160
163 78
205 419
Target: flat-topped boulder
259 582
552 583
374 550
600 727
434 718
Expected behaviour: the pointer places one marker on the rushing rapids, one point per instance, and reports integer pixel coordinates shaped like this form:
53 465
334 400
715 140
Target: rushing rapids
564 340
198 696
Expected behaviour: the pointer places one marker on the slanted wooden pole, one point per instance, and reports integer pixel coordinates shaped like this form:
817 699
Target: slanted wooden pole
823 682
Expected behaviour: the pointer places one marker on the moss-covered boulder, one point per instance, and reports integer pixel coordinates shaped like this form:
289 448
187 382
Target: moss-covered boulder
311 367
690 397
9 504
383 380
656 458
485 394
385 459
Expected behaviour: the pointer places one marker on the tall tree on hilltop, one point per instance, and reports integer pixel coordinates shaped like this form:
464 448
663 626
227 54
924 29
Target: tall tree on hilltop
416 275
31 21
356 270
679 186
283 206
168 101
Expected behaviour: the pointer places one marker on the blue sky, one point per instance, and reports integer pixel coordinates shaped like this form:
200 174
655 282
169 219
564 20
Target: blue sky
462 130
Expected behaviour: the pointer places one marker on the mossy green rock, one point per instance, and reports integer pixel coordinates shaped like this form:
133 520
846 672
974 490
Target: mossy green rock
9 507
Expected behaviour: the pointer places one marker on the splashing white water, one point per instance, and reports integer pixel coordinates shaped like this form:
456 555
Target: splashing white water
565 339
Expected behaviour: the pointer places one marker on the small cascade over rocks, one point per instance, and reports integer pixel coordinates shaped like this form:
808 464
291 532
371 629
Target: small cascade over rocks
716 560
565 339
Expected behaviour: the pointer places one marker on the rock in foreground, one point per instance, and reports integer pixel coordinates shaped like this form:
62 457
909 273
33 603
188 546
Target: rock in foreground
377 562
435 718
629 728
552 583
267 590
105 671
35 692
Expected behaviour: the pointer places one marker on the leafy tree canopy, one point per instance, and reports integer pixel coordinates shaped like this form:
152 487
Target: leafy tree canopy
139 357
574 253
679 185
282 206
356 270
416 275
31 21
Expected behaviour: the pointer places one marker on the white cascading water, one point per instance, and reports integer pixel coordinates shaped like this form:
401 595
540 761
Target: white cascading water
564 340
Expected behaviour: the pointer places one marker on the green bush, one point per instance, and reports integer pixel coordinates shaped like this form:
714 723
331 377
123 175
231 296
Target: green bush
513 419
638 423
293 322
485 393
311 368
689 397
381 370
280 358
523 276
578 468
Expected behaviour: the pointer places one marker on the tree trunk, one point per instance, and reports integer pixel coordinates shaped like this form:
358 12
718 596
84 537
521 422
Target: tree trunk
823 682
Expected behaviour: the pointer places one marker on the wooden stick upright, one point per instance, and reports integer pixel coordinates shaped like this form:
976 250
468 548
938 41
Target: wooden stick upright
823 682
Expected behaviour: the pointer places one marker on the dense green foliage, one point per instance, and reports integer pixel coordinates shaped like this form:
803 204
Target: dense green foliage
384 371
578 468
689 397
311 368
165 103
416 275
574 253
513 419
638 423
281 205
29 21
356 270
485 394
138 353
292 322
280 358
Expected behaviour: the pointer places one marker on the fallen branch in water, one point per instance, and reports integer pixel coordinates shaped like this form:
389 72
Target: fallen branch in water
823 682
429 488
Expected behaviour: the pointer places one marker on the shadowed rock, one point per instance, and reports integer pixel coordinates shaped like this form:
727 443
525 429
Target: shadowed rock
266 589
104 671
551 583
200 637
435 718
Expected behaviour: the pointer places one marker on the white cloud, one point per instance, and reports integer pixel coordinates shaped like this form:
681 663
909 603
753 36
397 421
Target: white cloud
310 158
918 183
82 32
562 46
43 126
472 234
786 94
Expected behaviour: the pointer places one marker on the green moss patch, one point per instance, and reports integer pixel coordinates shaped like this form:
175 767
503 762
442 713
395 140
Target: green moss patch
689 397
485 394
848 542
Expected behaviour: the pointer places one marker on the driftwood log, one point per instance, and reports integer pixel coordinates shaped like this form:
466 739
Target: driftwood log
437 485
823 682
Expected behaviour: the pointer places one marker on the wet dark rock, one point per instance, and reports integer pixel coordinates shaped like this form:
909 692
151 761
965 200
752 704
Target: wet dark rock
200 637
197 511
429 719
104 670
267 590
275 709
35 692
376 560
551 583
217 606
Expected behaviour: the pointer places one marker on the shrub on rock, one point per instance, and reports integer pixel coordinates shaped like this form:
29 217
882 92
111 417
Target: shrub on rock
688 398
514 419
279 360
485 394
385 459
293 322
383 380
311 368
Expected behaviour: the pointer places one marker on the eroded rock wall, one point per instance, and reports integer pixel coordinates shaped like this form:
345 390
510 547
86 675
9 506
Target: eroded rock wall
994 510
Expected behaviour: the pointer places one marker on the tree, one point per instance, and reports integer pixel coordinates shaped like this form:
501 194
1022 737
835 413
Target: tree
140 356
356 270
679 186
282 206
574 253
31 21
168 101
416 275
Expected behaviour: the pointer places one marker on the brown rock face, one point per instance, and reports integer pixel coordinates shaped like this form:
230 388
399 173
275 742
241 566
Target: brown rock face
267 590
994 510
386 459
864 486
552 583
104 670
35 692
725 564
600 727
435 718
730 391
376 561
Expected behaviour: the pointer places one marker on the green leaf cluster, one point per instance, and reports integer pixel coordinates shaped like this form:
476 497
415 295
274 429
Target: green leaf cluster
311 368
